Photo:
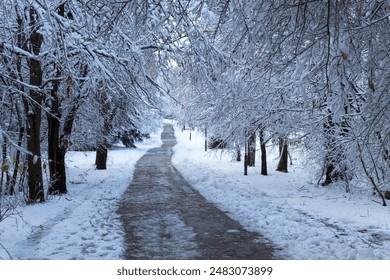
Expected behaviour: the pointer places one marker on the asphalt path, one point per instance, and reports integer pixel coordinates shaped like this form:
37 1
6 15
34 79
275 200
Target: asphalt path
164 217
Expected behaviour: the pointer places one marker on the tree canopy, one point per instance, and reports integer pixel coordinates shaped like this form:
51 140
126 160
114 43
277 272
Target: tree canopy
317 72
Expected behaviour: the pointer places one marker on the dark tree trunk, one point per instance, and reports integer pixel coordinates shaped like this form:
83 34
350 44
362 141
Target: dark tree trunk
59 149
101 157
56 147
57 177
263 155
333 157
205 140
246 157
283 161
34 162
33 110
329 178
238 158
108 114
56 153
252 150
59 137
61 152
332 174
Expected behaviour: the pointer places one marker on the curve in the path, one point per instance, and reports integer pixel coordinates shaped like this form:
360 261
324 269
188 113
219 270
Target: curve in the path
166 218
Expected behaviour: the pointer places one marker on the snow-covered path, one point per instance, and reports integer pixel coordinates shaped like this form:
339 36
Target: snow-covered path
165 218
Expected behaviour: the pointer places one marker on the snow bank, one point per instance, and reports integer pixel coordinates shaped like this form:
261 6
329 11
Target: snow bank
82 224
302 220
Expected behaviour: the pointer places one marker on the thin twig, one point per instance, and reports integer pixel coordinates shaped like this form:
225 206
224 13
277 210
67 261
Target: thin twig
8 253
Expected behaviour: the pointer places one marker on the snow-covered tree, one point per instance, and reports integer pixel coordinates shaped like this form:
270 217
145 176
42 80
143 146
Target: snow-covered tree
299 68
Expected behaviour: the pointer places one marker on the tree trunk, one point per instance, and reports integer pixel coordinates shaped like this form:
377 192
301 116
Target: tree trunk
101 157
205 139
108 114
56 153
53 132
332 174
34 162
333 157
283 161
56 147
329 178
57 171
263 155
4 164
252 150
59 138
33 110
16 163
246 157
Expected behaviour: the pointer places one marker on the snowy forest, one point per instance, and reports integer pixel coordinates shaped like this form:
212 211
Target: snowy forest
85 74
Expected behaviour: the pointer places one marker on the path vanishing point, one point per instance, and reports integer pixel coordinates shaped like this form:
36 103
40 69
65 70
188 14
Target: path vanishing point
165 218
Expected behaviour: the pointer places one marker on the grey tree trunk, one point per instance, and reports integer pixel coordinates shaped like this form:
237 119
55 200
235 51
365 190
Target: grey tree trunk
238 149
283 161
205 139
16 163
109 113
252 150
4 167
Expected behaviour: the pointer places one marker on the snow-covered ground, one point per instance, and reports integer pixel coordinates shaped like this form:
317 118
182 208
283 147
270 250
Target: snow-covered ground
302 220
82 224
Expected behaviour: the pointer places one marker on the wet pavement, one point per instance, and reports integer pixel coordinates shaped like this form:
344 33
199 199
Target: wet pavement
164 217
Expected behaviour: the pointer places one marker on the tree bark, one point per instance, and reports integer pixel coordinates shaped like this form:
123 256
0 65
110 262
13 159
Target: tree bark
205 139
101 157
59 136
333 157
246 157
252 150
238 157
56 153
34 162
16 163
263 154
108 113
33 110
283 161
4 167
